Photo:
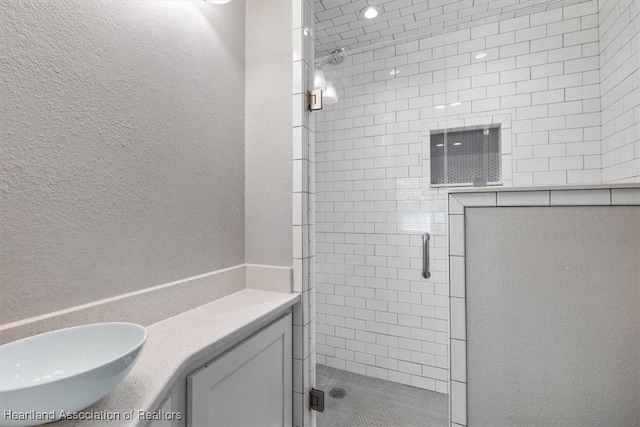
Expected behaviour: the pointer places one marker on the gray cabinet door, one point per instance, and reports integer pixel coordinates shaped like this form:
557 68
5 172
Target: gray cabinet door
250 385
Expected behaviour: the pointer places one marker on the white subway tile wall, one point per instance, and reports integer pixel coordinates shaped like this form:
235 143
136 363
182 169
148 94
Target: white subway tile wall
339 24
303 217
375 314
620 88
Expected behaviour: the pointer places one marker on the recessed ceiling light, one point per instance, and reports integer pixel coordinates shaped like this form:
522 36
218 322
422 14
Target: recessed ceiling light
457 143
439 107
480 55
455 104
439 145
394 72
370 12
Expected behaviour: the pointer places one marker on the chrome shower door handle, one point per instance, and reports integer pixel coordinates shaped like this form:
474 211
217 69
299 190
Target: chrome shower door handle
425 256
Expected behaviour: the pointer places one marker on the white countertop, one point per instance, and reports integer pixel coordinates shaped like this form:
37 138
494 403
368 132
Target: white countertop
180 344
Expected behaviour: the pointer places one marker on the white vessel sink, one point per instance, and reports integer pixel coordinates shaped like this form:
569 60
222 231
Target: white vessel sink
64 370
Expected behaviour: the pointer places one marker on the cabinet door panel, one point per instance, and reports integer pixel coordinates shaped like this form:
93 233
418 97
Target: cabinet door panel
250 385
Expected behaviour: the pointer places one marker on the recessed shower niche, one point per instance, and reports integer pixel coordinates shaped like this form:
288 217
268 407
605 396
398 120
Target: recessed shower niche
465 157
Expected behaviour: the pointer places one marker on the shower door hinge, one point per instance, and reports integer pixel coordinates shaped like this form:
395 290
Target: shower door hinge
316 400
315 100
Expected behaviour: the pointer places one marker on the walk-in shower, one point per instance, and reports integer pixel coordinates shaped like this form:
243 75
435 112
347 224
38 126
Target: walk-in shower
431 95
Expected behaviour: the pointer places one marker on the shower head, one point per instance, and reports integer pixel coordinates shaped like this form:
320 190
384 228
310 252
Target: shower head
336 56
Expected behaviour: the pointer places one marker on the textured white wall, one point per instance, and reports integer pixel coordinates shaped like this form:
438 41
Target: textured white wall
268 152
121 147
552 315
620 87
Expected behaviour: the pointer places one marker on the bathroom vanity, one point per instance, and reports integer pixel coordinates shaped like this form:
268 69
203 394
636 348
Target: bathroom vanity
228 362
249 385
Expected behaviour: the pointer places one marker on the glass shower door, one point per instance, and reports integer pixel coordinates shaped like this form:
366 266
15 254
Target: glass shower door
382 328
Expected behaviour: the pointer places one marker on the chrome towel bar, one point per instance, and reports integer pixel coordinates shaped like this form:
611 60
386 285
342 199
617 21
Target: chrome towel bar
425 255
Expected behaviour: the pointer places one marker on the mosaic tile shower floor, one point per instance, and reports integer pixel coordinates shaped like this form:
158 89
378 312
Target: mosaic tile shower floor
373 402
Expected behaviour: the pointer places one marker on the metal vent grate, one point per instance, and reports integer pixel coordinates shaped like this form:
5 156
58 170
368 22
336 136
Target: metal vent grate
473 157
